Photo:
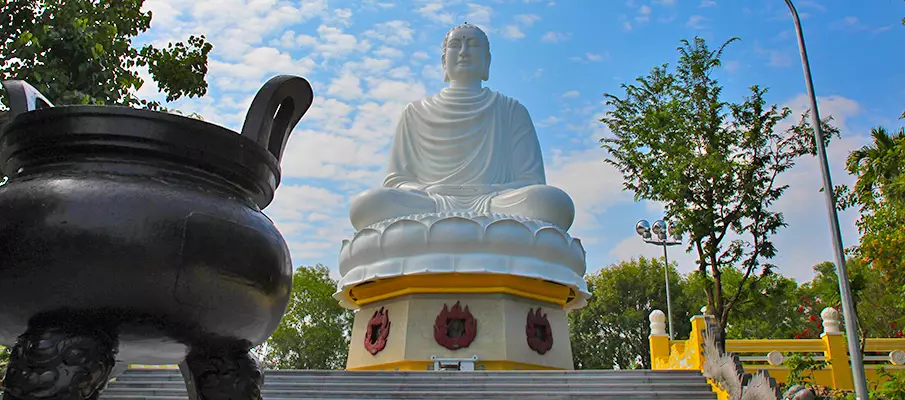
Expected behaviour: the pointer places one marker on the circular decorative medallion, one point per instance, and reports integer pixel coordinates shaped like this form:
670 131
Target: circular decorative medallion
378 330
455 328
775 358
538 331
897 357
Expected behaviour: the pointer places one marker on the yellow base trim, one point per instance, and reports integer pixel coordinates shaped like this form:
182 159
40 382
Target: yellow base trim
550 292
480 365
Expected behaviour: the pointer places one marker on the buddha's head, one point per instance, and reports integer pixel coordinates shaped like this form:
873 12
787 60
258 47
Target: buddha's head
466 54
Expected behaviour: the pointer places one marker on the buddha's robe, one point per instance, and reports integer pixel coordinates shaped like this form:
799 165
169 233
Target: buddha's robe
464 150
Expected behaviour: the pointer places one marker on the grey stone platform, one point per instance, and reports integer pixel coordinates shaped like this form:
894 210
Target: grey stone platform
156 384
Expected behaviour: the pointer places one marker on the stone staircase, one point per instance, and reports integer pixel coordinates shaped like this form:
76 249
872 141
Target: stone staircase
163 384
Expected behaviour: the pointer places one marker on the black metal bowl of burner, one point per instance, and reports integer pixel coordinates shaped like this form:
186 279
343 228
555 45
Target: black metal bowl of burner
144 225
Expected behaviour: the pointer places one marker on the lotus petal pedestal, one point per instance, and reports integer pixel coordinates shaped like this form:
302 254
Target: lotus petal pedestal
461 285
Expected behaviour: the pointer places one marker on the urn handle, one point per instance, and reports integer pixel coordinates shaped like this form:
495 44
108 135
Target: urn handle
275 110
24 98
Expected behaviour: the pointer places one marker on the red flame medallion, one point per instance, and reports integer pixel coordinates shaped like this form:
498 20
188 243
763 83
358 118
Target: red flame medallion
378 331
540 335
455 328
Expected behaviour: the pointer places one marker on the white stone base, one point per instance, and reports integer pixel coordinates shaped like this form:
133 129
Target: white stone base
462 242
500 341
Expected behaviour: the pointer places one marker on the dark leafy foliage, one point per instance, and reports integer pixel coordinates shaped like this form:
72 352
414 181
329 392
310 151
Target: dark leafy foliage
612 330
314 333
80 52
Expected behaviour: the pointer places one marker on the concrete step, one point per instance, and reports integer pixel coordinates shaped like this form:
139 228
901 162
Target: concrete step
441 384
433 394
317 376
297 372
464 380
155 384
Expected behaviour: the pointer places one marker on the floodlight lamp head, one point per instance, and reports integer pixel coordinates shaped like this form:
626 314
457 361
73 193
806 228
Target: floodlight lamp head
643 228
659 229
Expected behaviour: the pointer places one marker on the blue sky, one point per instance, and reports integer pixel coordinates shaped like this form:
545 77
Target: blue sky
367 59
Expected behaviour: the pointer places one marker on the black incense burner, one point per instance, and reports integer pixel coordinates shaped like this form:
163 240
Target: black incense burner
136 236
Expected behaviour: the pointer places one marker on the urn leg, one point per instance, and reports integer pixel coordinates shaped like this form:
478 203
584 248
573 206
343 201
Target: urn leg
226 372
59 363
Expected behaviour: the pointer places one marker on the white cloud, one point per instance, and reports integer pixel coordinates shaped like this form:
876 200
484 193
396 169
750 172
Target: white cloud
435 12
420 56
570 171
345 86
590 57
295 201
335 43
643 14
551 120
854 24
732 65
385 89
512 32
775 58
368 66
376 4
696 22
232 28
433 72
318 154
631 246
388 52
527 19
571 94
707 3
252 68
341 16
298 210
403 72
479 15
555 37
396 32
806 241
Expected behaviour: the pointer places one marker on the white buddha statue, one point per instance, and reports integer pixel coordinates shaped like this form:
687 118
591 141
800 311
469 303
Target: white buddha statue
467 148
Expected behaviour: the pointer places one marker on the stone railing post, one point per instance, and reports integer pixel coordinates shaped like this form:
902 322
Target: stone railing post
694 347
659 340
835 349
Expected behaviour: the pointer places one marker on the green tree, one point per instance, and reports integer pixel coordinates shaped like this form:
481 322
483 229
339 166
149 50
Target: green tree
80 52
878 167
879 193
612 330
879 309
766 309
314 333
713 164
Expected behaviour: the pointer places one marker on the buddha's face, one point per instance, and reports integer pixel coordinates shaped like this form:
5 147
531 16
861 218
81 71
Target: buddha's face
466 57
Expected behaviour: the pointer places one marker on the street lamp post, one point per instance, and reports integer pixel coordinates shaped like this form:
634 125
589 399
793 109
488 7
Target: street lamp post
848 305
660 229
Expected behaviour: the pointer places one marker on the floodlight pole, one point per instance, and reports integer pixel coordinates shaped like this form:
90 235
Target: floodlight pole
661 230
845 291
665 243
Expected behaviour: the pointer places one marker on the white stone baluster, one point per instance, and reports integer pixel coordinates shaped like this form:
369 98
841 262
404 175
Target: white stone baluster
657 323
831 321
